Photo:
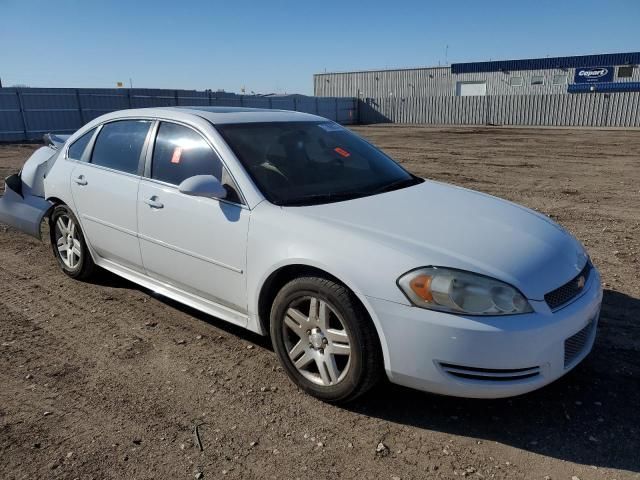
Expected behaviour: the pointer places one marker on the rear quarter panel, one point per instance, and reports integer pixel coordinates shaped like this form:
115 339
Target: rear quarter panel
57 184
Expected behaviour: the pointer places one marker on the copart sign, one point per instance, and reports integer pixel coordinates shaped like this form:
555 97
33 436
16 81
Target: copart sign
594 75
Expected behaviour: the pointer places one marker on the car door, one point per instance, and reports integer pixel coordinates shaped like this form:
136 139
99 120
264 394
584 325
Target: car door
195 244
105 190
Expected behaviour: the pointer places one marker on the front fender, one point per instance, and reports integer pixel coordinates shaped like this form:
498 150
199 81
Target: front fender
256 324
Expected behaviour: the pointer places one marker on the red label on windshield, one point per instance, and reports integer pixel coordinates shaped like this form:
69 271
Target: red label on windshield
342 152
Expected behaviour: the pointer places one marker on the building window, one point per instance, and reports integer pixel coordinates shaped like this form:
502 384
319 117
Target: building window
516 81
560 79
625 72
464 89
537 80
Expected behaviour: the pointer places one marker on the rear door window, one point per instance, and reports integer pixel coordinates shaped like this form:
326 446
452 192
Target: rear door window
77 148
180 152
119 145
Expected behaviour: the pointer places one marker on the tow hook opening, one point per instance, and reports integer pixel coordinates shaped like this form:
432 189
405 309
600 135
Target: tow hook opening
14 182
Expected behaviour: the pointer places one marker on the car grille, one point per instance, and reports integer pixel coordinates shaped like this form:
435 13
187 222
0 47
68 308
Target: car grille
575 344
490 374
570 290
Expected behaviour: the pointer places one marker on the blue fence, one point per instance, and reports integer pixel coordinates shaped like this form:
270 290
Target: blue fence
28 113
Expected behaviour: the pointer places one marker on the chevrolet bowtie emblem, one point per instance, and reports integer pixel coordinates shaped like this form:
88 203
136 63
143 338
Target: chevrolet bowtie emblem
581 282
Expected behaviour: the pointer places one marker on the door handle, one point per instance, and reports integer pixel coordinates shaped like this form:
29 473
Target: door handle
80 180
153 202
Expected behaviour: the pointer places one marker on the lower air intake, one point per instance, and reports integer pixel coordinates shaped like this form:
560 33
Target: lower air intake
575 344
490 374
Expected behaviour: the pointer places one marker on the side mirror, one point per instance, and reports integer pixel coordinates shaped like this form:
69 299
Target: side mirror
206 186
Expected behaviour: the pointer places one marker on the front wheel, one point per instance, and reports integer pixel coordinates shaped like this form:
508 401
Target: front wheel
68 243
325 340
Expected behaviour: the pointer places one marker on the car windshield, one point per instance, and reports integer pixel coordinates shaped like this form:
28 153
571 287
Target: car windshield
306 163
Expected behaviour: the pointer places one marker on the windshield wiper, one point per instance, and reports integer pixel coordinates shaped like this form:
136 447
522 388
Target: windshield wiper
398 184
322 198
317 198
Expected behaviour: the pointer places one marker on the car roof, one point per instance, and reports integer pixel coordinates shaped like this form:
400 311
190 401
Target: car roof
222 115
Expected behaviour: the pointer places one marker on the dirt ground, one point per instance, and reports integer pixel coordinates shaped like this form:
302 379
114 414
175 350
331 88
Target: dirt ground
105 380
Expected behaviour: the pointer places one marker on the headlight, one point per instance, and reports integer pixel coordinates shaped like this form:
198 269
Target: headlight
457 291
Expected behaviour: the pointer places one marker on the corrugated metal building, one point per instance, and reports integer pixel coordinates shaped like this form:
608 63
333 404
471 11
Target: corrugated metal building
557 75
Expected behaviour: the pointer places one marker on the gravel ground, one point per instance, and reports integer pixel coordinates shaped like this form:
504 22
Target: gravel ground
107 380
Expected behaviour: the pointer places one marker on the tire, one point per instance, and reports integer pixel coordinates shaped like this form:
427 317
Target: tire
316 335
68 244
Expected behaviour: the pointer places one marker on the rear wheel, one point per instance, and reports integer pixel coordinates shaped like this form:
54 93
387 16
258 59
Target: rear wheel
325 340
68 243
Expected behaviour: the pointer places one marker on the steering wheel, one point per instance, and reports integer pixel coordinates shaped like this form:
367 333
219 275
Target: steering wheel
268 169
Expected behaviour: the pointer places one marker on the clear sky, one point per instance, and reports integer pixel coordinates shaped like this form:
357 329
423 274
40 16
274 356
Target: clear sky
277 46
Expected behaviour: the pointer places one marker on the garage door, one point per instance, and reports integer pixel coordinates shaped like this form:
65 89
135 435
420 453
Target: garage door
465 89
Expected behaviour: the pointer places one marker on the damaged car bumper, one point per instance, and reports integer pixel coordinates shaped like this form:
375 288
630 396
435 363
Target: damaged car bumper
22 211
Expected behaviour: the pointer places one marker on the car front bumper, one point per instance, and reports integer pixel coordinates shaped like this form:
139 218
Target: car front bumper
486 357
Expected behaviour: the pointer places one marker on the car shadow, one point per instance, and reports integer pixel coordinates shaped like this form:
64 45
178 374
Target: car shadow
105 278
590 416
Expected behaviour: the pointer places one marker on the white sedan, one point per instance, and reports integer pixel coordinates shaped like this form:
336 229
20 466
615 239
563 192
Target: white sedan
292 226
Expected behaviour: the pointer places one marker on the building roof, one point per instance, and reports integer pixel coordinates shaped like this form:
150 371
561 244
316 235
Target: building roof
609 59
601 60
404 69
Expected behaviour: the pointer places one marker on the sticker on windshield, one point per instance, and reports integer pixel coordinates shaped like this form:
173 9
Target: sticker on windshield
177 153
342 152
330 127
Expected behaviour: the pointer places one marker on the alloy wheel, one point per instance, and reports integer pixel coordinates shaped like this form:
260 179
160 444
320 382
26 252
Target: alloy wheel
317 341
67 241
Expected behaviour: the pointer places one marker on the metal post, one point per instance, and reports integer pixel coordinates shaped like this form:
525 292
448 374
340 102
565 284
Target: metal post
82 122
487 110
24 119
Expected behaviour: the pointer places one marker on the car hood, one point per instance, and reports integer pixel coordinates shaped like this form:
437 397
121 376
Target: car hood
443 225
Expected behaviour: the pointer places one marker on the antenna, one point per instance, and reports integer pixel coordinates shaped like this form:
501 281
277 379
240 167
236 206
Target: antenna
446 54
